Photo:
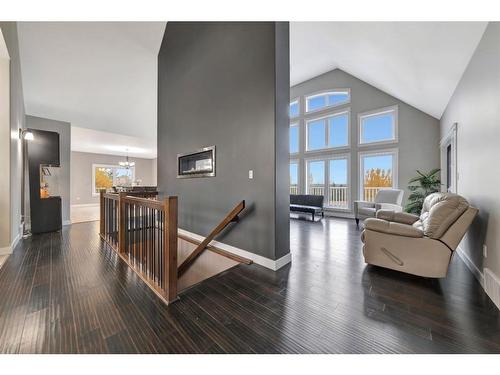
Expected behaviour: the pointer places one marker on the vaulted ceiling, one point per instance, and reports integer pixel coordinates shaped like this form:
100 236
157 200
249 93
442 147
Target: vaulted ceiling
102 76
420 63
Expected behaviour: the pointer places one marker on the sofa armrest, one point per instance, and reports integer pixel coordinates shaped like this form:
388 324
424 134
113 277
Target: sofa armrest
394 228
388 206
397 217
358 204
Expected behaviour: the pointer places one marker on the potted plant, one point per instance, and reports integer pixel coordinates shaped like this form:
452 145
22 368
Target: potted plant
421 186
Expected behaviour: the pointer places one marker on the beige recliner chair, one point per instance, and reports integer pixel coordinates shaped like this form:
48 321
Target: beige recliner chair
418 245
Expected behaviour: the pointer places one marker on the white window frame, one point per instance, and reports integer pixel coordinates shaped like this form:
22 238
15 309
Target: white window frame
296 100
395 165
376 112
295 161
327 131
326 159
94 166
326 93
295 125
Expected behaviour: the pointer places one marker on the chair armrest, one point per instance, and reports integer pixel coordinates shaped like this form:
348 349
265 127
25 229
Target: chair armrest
398 229
397 217
388 206
363 204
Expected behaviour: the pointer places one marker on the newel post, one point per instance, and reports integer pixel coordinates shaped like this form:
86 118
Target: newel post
121 222
101 212
170 248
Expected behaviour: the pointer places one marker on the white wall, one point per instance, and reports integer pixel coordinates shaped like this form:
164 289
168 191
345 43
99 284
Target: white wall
475 106
81 174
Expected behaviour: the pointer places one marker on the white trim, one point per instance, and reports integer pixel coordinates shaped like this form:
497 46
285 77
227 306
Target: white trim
395 165
94 194
488 280
66 222
449 139
326 93
380 111
258 259
6 250
470 265
295 125
85 205
326 117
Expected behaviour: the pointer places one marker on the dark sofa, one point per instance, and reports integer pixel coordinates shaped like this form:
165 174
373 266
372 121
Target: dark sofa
312 204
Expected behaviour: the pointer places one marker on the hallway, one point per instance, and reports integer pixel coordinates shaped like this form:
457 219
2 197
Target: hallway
69 293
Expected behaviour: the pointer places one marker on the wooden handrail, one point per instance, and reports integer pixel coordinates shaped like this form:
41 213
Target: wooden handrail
143 232
231 216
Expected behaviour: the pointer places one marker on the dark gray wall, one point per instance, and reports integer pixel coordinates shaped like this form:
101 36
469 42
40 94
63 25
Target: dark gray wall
81 173
418 132
64 130
17 121
226 84
475 106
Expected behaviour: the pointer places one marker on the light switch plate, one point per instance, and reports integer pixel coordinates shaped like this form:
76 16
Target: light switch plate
250 174
485 251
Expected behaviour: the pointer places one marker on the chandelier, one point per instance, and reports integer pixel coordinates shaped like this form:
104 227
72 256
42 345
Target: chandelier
127 164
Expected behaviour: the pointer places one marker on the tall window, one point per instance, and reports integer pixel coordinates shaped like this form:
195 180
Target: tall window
294 138
330 178
107 176
294 109
327 99
378 170
328 132
294 177
316 177
380 126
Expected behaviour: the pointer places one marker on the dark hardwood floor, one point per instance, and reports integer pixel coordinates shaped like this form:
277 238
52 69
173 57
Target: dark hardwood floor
69 293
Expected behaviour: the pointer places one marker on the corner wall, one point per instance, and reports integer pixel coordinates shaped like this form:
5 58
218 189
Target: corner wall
64 130
227 84
17 121
475 108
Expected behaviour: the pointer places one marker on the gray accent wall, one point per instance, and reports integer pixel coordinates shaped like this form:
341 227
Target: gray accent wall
227 84
475 107
17 121
418 132
64 130
81 173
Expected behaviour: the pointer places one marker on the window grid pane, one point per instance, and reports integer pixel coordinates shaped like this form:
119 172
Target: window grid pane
377 174
378 127
316 177
294 109
328 99
338 190
338 130
294 178
294 139
316 136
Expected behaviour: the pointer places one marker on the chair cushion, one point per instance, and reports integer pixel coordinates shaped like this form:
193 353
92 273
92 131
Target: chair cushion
440 211
299 207
394 196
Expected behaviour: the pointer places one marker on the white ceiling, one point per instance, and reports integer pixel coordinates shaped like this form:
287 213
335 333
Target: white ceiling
100 142
419 63
96 75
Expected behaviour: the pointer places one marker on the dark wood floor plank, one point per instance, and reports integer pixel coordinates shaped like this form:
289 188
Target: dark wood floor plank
69 292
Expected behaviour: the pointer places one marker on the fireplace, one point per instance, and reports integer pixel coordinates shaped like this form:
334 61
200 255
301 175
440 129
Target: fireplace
200 163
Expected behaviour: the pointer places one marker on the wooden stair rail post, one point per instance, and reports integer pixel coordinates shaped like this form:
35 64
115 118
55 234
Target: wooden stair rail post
101 212
170 248
121 222
232 216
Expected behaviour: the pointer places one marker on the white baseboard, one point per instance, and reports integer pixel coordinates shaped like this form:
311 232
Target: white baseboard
488 280
492 286
66 222
470 265
9 249
85 205
258 259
